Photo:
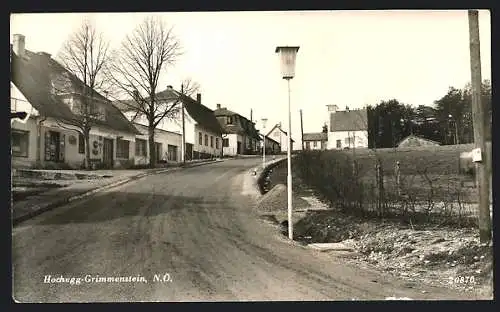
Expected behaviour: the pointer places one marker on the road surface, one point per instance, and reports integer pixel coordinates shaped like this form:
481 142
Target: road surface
188 235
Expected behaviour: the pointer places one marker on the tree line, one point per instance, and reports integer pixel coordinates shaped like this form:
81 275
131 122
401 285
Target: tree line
448 121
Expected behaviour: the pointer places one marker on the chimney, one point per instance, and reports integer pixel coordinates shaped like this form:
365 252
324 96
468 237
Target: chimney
251 115
18 45
347 108
218 106
198 97
332 108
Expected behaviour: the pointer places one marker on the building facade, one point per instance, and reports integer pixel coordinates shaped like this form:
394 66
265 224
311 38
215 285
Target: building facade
239 134
315 141
279 135
347 129
202 133
50 136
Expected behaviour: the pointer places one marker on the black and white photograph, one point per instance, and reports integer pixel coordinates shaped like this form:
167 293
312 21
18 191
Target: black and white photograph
251 156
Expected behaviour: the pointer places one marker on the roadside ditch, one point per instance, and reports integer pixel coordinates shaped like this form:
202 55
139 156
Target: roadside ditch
438 256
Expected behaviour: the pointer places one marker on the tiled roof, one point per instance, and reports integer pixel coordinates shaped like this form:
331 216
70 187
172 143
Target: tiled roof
353 120
320 136
270 139
243 126
35 76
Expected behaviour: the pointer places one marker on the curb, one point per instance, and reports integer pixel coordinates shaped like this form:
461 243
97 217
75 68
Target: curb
87 193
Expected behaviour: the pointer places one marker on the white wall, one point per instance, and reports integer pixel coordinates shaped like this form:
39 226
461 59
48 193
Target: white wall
311 145
280 137
202 148
232 149
361 139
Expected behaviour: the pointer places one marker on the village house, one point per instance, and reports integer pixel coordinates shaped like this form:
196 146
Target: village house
348 128
167 146
52 97
272 146
239 133
203 135
315 141
280 136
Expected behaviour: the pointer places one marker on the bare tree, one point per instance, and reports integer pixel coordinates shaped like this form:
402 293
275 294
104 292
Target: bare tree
136 69
83 55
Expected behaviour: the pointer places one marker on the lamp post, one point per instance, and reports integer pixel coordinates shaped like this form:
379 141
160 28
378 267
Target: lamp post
264 120
287 57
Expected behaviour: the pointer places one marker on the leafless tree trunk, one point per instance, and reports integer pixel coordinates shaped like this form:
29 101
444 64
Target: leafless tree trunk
83 55
136 69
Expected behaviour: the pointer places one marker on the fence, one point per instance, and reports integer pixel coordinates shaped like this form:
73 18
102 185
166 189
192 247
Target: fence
416 187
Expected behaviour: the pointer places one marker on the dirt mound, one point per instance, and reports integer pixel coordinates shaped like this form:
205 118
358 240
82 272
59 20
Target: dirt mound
276 200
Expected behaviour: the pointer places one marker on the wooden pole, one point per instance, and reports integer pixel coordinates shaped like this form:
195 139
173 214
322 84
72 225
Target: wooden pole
301 131
478 115
183 147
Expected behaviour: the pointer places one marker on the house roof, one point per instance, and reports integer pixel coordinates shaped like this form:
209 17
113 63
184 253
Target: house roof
279 127
203 115
144 129
274 141
243 126
419 138
352 120
320 136
36 75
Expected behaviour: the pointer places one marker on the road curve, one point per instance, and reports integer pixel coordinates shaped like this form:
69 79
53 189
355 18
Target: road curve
188 235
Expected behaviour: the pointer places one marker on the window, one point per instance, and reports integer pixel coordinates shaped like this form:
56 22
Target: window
308 145
229 120
217 143
200 139
211 141
140 147
122 149
225 142
315 143
206 140
20 143
81 144
339 143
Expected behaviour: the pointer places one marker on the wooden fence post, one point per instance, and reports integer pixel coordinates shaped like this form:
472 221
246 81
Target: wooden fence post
380 187
397 172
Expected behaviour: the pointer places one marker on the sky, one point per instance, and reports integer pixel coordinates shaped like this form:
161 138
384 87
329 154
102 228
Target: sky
347 58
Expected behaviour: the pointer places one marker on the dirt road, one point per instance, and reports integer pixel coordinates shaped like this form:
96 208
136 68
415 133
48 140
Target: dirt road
188 235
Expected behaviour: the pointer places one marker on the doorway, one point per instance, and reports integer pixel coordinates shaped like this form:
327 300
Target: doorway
107 152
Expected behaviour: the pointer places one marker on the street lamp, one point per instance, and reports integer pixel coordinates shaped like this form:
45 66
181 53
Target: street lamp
264 120
287 57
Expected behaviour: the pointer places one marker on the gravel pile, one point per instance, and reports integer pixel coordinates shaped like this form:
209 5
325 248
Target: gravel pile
276 200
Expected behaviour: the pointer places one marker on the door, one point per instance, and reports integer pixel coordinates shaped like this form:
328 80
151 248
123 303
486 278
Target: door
239 148
54 146
158 151
172 152
189 151
107 152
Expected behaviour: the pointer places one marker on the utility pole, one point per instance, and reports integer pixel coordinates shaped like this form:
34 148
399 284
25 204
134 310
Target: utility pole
183 148
301 131
478 115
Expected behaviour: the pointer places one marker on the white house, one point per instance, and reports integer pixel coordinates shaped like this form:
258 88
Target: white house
280 136
239 133
348 128
168 145
203 136
315 141
49 138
